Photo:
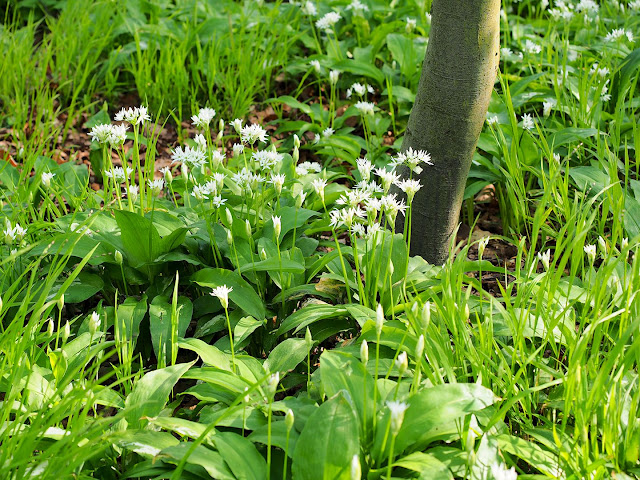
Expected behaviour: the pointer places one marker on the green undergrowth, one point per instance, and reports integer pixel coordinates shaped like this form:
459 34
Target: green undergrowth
242 306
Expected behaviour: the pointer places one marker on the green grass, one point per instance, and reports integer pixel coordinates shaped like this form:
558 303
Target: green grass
338 355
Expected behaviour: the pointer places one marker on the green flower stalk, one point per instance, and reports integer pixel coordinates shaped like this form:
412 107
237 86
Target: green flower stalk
272 386
396 410
222 293
289 421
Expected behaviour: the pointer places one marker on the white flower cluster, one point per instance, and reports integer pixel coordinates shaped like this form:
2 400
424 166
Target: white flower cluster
588 6
305 167
365 108
135 116
327 22
252 133
528 123
248 180
618 34
13 234
204 117
507 54
412 159
192 157
562 11
119 174
114 135
267 159
357 7
531 47
359 89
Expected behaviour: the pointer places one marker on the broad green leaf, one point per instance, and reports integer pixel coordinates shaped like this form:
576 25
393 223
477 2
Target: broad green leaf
361 68
200 455
531 453
209 354
160 322
273 264
140 239
327 443
241 455
238 416
220 384
293 103
243 295
433 408
631 216
287 355
589 179
427 465
624 76
58 362
290 217
151 392
310 314
130 314
144 442
181 426
278 436
83 287
570 135
244 328
341 371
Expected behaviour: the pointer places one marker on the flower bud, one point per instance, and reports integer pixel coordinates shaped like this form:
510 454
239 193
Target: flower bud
364 352
402 363
295 155
66 332
50 327
603 246
277 226
425 316
272 385
308 338
118 257
61 302
263 254
227 212
300 199
396 409
296 141
229 237
379 320
482 244
185 172
545 258
221 125
289 420
168 177
1 304
94 323
247 226
419 348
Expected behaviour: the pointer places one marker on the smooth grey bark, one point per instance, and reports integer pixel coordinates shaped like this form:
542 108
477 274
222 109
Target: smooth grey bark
453 95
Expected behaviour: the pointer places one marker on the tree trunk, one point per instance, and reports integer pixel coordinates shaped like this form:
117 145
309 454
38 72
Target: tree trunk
455 87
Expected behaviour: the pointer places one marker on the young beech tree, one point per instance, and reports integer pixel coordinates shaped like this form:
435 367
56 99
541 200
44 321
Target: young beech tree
457 79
